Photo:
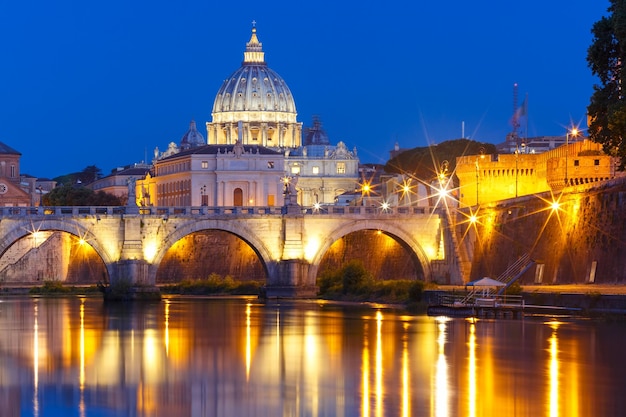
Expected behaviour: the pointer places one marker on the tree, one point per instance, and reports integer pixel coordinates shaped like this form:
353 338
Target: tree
88 175
605 57
68 195
424 163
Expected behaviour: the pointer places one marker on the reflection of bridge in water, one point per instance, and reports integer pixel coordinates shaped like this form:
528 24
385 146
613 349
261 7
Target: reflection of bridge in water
290 241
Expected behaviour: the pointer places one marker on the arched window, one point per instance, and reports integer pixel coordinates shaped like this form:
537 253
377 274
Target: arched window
238 197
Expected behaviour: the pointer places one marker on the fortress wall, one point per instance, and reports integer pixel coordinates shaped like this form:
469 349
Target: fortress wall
587 232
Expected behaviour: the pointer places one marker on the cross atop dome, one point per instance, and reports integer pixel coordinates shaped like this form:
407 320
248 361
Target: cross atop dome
254 49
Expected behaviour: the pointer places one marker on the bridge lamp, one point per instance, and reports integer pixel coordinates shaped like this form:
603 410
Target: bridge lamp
385 206
443 192
317 206
473 219
555 205
570 133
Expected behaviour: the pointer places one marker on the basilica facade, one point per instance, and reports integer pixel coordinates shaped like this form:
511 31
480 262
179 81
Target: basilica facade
254 154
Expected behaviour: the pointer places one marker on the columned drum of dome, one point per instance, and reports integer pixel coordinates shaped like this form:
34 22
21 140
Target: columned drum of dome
255 105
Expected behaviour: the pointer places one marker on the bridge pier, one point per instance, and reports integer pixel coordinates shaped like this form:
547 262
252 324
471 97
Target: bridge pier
130 280
291 281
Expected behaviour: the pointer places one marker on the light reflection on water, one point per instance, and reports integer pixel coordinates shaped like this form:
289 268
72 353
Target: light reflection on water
241 357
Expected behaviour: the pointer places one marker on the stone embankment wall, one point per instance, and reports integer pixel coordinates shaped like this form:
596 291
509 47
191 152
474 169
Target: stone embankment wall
583 240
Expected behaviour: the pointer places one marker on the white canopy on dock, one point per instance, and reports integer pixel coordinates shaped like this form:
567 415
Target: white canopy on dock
485 282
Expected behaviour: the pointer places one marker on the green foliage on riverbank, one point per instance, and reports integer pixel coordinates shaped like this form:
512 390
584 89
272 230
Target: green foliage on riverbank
214 284
353 282
58 288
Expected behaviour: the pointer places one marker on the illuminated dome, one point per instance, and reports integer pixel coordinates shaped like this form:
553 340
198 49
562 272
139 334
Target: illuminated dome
192 138
254 86
255 105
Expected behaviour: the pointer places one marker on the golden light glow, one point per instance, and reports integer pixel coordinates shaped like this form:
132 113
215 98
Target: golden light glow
39 237
431 251
472 371
554 373
380 393
442 192
81 377
248 345
150 250
36 364
406 383
311 248
152 366
441 387
81 241
473 219
167 327
555 205
365 397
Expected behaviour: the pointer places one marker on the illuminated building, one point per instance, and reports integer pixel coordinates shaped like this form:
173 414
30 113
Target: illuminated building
254 144
487 178
324 171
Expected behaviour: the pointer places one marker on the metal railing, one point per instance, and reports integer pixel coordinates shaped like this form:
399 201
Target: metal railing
478 299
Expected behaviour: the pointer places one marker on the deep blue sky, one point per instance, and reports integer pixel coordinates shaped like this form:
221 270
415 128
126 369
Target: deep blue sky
86 82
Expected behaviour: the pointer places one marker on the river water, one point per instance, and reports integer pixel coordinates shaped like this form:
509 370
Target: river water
242 357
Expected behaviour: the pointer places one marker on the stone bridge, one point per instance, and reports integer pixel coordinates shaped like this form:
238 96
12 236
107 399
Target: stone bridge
290 241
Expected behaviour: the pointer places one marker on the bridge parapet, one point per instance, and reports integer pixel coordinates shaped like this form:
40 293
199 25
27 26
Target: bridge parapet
76 211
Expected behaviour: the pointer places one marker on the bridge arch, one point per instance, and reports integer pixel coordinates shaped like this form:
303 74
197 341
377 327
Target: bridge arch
244 233
389 229
22 229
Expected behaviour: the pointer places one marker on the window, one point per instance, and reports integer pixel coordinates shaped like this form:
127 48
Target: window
316 170
12 171
205 164
341 167
270 164
295 170
576 162
596 162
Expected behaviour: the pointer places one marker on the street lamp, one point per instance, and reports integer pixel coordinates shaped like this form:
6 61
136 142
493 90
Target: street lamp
366 188
573 133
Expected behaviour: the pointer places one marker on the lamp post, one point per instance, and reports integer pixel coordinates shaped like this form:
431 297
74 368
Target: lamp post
574 133
365 191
